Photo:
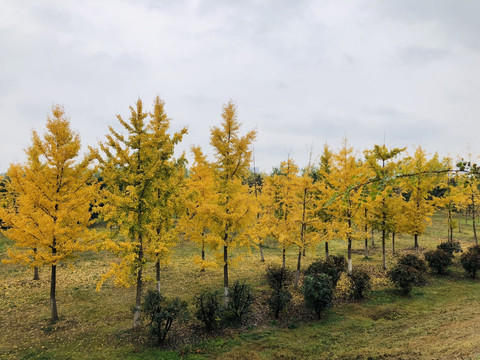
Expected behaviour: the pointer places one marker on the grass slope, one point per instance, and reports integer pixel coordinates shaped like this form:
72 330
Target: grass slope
439 321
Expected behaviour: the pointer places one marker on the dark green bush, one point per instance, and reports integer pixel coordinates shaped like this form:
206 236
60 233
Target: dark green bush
412 261
404 277
450 247
209 309
318 292
471 260
239 301
439 260
359 284
278 279
161 313
333 267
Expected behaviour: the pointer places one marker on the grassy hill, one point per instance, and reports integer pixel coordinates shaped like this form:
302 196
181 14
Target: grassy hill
439 321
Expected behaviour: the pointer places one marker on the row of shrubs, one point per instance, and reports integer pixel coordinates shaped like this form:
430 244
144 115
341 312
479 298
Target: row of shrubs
320 280
411 270
319 283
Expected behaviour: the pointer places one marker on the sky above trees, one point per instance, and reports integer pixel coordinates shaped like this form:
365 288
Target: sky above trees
301 72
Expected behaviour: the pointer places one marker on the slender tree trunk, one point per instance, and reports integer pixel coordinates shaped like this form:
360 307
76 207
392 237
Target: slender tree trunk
473 221
350 267
225 275
366 247
297 274
416 244
393 243
203 256
53 287
327 255
35 273
303 253
157 270
283 258
35 268
373 239
384 257
138 296
262 259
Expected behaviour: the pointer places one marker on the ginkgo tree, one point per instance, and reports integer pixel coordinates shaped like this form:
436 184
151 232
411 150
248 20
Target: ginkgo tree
277 203
421 175
346 181
233 214
381 161
54 190
200 200
140 177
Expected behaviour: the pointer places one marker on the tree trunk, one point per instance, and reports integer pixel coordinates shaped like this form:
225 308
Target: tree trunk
53 287
350 267
225 275
157 270
283 258
35 268
327 255
203 257
297 274
384 257
416 244
35 273
366 247
373 239
393 243
262 259
138 296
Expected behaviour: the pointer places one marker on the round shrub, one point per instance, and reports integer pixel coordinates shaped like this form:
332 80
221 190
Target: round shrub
404 277
278 279
240 299
359 284
209 309
333 267
438 260
414 262
161 313
318 292
450 247
471 261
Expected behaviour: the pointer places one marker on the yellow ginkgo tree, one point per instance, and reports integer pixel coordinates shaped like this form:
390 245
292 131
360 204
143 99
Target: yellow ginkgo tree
233 213
53 190
140 179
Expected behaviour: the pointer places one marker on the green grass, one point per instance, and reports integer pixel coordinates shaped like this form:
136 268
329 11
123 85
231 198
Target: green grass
440 320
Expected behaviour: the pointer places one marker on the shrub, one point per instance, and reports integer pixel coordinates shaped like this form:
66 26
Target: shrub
450 247
333 267
471 260
318 292
438 260
208 309
239 301
161 313
404 277
278 279
414 262
359 284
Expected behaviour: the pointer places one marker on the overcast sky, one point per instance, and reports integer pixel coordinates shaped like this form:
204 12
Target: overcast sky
301 72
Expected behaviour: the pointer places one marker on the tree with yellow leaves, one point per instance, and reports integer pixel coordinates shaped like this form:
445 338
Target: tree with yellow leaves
200 200
139 174
277 202
53 194
233 213
421 176
381 162
346 181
